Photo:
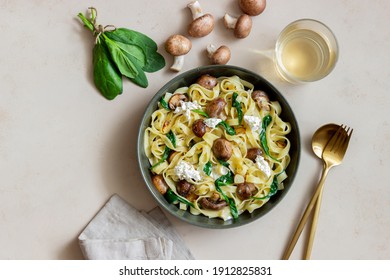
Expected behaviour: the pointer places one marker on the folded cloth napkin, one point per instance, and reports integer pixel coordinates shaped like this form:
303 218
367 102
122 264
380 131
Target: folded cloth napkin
121 232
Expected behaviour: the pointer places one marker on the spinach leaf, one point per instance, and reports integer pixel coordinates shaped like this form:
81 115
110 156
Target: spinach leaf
263 138
171 136
225 180
164 104
121 59
171 197
154 60
273 189
106 75
200 112
230 130
164 157
237 105
208 168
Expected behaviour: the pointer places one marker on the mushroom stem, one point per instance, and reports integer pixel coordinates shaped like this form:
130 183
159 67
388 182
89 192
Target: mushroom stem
230 21
178 62
196 9
211 49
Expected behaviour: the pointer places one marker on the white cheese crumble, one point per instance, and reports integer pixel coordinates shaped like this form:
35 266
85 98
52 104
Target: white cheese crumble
254 123
263 165
212 122
185 171
186 107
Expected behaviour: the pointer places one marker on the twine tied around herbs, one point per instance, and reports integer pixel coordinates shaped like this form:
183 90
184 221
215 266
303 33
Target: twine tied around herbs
99 29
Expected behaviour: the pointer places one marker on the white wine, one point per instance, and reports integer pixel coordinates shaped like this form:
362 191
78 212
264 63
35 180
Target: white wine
304 55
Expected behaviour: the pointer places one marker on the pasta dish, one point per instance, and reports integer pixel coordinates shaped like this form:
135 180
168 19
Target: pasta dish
218 147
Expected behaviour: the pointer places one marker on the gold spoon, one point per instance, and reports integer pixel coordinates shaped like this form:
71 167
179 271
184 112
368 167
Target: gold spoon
318 142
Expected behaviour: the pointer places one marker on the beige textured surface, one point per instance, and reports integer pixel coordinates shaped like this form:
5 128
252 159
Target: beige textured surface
64 150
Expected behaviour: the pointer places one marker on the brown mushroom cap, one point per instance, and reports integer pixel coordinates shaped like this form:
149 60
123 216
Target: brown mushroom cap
219 56
207 81
177 45
252 7
243 26
201 26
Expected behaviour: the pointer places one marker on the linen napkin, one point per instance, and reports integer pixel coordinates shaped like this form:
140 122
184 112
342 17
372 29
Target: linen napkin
121 232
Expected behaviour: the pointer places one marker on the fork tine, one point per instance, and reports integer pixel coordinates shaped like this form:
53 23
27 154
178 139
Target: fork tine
335 139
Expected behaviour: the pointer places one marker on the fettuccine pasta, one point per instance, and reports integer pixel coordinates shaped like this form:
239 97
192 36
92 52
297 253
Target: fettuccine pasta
218 151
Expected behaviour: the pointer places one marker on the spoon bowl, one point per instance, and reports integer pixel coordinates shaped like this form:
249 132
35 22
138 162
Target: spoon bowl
321 138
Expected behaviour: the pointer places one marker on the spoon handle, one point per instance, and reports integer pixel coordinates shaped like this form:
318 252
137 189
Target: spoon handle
306 214
313 227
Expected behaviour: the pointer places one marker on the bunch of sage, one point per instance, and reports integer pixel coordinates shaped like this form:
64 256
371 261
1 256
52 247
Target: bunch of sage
120 52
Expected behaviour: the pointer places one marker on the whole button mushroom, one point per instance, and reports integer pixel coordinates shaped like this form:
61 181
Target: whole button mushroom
199 128
241 25
252 7
219 55
178 46
245 190
207 81
261 99
252 153
176 100
202 24
160 184
222 149
215 108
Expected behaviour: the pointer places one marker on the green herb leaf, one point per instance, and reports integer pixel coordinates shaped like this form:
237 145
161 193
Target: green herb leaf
171 197
263 138
230 130
106 75
121 59
171 136
164 157
273 189
154 60
225 180
164 104
208 168
200 112
237 105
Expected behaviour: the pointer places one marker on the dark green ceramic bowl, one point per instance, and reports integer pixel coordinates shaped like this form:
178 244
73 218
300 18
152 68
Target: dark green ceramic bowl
188 78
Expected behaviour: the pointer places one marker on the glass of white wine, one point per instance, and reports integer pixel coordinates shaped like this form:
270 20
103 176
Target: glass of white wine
306 51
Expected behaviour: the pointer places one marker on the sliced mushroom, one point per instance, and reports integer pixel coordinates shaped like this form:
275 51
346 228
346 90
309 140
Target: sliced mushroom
252 153
241 25
178 46
261 99
176 100
219 55
245 190
209 204
199 128
222 149
202 24
159 183
207 81
252 7
215 108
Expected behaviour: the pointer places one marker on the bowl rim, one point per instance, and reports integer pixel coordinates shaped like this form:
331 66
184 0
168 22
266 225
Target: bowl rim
173 209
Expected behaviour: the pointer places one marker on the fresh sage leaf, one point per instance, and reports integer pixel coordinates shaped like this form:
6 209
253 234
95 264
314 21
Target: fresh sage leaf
171 136
106 75
263 138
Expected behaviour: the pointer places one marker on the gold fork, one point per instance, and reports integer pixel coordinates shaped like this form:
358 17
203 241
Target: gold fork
333 155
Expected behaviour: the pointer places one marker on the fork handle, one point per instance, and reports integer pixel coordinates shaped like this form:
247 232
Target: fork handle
313 227
306 214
